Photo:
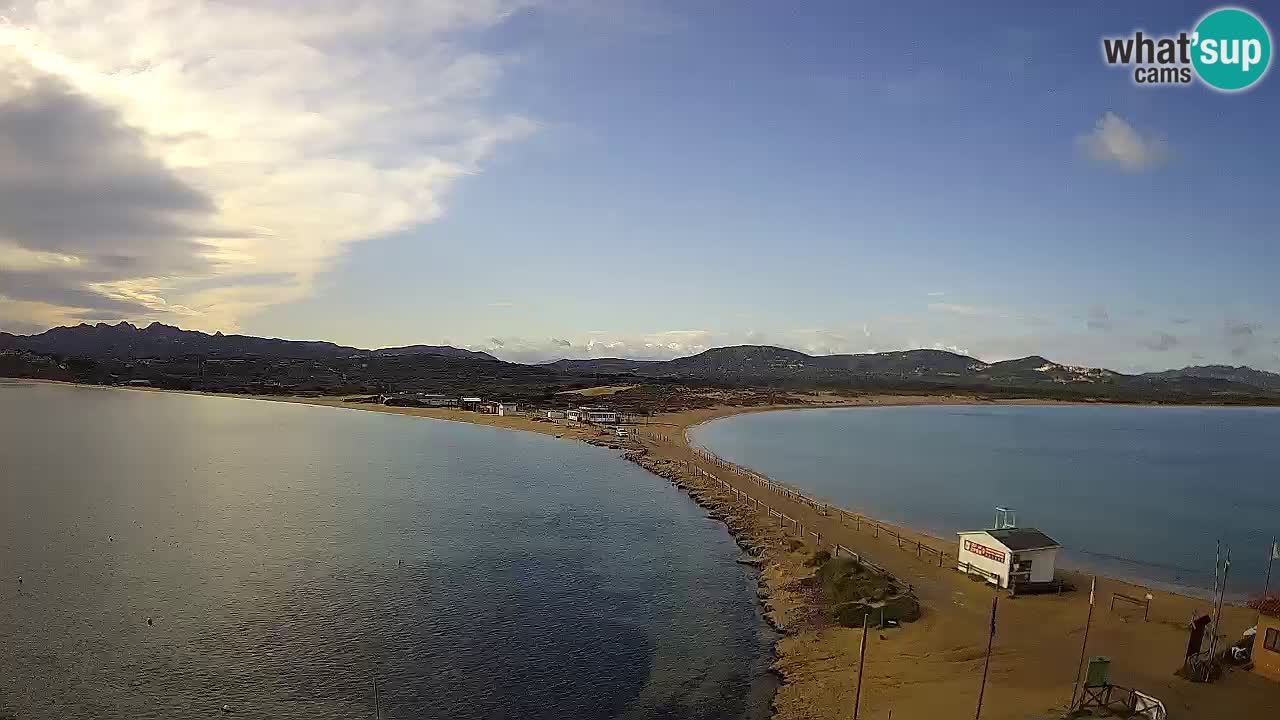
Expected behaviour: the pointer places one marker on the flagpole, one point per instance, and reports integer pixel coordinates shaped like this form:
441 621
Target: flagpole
990 639
1075 686
1275 550
1217 616
862 661
1217 564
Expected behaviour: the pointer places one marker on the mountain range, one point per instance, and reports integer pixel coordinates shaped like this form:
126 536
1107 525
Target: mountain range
741 365
125 341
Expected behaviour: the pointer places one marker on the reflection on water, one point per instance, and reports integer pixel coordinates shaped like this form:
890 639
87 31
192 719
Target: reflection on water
179 553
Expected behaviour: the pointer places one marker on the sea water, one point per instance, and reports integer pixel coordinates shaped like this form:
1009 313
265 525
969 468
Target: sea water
1143 493
180 553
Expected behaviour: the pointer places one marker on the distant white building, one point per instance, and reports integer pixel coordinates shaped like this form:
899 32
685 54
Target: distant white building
1008 555
598 415
436 400
508 409
555 415
419 399
470 403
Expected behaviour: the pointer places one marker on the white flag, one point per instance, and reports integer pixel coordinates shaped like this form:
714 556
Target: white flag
1275 551
1093 584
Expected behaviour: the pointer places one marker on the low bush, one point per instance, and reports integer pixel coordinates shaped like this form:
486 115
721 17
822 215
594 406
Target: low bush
820 558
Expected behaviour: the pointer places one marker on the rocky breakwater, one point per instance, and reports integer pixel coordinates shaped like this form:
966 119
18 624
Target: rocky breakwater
808 596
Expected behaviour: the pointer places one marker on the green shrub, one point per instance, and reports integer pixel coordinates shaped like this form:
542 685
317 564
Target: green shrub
851 614
845 580
820 558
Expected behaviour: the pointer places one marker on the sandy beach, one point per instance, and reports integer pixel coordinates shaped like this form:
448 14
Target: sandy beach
931 668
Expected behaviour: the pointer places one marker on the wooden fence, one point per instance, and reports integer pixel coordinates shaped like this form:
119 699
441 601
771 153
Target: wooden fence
923 551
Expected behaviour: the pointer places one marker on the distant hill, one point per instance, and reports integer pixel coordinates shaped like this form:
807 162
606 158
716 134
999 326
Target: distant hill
768 365
125 341
446 350
764 362
1033 369
124 352
1239 374
615 366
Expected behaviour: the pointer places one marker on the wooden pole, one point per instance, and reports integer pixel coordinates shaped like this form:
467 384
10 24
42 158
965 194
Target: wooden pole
985 666
862 661
1217 563
377 701
1217 615
1271 557
1075 685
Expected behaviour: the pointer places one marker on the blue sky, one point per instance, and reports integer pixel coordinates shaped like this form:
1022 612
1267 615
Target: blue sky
656 178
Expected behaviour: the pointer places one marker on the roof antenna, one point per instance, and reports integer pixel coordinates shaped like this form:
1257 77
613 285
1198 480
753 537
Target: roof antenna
1006 518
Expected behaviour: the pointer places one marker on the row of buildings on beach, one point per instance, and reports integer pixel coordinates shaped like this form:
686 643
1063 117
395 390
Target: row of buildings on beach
587 413
439 400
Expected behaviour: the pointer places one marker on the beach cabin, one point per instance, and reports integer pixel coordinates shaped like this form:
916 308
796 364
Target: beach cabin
555 414
1266 643
1008 556
504 409
470 403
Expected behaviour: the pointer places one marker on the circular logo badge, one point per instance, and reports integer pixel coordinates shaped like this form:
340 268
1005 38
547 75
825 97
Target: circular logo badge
1232 49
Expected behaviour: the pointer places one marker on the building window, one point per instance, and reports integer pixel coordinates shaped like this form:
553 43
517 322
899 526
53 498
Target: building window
1272 641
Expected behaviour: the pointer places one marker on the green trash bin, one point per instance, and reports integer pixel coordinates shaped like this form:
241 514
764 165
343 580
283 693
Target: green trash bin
1099 674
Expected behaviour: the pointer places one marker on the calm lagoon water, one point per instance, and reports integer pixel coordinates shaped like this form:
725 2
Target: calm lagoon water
1136 492
288 555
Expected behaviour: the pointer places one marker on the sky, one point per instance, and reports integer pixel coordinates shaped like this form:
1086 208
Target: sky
593 178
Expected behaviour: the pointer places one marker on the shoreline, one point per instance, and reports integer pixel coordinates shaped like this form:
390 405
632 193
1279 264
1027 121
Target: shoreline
1033 672
1075 570
941 653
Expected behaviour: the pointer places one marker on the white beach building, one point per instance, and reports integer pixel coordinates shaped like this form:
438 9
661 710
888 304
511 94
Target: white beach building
598 415
1006 555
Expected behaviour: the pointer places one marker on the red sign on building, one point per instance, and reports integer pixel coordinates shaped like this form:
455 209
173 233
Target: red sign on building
984 551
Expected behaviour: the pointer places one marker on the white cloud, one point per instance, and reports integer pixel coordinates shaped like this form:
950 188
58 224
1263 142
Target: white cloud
1113 141
662 345
282 132
966 310
667 344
